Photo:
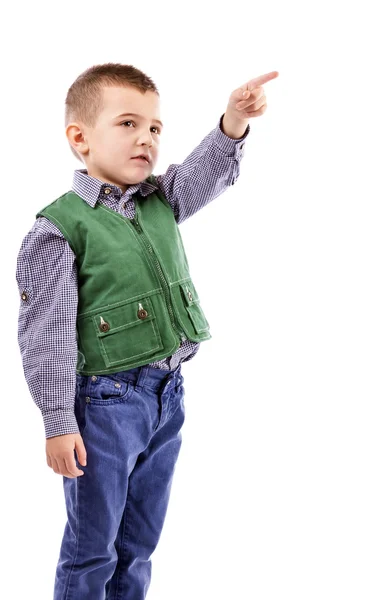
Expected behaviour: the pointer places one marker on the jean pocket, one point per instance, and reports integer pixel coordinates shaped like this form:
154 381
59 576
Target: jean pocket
104 390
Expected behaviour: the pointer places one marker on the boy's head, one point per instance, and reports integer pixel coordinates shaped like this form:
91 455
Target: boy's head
100 130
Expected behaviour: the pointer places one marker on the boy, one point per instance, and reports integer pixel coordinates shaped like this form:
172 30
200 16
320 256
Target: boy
108 313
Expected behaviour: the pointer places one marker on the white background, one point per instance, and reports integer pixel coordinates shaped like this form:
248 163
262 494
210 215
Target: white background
280 489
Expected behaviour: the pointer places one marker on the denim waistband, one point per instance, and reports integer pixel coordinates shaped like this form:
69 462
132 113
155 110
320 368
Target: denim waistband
148 376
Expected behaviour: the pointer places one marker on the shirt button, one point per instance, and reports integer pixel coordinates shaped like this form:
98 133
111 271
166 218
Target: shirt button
107 190
24 296
93 378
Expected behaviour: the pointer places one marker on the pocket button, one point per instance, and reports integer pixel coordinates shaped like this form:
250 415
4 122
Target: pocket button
104 326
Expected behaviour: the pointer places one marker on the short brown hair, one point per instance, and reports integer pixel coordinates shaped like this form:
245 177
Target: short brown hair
84 97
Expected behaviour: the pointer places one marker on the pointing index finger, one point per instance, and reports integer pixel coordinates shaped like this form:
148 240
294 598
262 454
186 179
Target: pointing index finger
253 83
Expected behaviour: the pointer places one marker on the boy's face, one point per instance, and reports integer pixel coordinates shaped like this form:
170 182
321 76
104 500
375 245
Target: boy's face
108 148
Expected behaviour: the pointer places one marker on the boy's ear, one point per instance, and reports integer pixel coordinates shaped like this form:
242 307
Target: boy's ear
76 138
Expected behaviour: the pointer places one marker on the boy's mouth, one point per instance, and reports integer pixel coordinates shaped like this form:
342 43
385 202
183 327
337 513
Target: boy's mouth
141 157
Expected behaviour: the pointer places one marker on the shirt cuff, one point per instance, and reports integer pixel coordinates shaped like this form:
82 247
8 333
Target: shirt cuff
60 422
228 145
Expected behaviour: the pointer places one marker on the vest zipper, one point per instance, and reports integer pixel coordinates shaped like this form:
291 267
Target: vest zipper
139 230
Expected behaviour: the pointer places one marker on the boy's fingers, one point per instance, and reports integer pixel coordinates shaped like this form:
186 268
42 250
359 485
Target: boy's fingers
253 105
55 465
70 467
253 83
63 470
81 451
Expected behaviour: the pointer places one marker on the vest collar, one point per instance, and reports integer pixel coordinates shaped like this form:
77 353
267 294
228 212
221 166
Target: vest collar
90 188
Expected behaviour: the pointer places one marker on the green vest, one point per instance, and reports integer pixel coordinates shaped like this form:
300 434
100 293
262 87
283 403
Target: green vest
136 298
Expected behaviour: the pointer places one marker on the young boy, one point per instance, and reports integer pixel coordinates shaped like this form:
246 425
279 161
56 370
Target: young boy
108 313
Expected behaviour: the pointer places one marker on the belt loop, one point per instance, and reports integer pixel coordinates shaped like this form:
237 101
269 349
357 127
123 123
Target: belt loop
141 378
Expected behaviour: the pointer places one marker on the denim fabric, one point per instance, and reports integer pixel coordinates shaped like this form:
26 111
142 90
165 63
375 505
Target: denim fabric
130 422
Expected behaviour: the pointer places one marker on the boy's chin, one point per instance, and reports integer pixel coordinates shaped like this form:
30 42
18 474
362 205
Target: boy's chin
137 175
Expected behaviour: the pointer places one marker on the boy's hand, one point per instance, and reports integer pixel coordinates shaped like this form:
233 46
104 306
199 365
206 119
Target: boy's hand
60 454
246 102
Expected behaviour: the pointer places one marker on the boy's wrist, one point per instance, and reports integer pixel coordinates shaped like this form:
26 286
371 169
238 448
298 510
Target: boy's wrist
233 128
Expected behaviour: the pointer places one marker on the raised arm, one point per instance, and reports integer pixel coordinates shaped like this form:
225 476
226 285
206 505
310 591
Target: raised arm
207 171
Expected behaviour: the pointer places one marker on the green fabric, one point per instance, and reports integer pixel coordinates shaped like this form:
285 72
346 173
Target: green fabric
126 267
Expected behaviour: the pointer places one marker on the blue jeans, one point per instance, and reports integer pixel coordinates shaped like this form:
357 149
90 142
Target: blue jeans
130 423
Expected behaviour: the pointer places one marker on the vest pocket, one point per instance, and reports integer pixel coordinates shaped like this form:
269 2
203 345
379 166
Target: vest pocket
127 332
191 315
198 319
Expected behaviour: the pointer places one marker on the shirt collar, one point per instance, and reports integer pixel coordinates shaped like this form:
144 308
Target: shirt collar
92 189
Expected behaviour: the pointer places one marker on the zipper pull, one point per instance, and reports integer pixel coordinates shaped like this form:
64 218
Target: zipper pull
138 226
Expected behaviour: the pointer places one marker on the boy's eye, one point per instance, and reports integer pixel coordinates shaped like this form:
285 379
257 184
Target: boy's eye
124 123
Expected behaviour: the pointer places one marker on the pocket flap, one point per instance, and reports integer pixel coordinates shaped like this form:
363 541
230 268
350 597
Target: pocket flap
189 311
189 293
111 320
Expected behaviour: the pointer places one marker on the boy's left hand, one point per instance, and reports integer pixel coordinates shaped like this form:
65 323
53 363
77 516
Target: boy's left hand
249 100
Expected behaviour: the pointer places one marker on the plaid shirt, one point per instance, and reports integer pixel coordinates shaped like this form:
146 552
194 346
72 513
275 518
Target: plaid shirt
46 272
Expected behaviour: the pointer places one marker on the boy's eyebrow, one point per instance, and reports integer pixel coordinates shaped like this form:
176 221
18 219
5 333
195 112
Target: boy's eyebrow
139 116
